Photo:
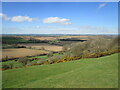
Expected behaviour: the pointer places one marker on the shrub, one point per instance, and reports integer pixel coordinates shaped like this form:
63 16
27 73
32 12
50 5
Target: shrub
96 46
6 58
77 49
50 54
11 65
8 65
40 62
18 65
60 52
29 64
21 46
4 67
42 48
65 48
24 60
54 59
29 47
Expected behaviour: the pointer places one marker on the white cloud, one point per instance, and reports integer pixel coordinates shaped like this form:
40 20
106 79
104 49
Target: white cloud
102 5
21 19
16 18
4 17
56 20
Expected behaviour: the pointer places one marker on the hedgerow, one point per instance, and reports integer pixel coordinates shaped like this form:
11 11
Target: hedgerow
93 48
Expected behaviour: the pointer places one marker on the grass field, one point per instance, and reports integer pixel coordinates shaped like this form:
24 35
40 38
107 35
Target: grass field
85 73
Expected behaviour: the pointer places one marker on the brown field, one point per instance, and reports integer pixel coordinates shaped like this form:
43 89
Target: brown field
45 46
52 37
16 53
45 38
79 37
38 37
59 37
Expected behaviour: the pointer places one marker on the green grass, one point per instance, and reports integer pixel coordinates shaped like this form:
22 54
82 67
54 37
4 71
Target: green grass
85 73
17 64
13 40
44 57
13 63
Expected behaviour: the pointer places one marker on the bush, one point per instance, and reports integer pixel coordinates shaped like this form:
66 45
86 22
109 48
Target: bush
29 64
8 65
21 46
50 54
65 48
97 46
4 67
5 59
11 65
42 48
77 49
18 65
29 47
24 60
60 52
40 62
54 59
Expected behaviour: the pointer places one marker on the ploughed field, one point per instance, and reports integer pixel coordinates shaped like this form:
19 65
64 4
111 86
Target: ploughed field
35 45
21 52
31 49
45 46
52 37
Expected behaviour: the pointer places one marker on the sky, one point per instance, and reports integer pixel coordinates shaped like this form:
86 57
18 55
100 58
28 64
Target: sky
59 17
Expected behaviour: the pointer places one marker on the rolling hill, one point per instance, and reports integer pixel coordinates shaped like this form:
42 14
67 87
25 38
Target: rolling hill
84 73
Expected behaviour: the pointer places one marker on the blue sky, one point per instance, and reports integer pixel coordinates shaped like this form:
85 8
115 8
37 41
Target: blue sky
60 17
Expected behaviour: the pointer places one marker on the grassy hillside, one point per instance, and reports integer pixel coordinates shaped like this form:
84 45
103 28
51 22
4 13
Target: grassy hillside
84 73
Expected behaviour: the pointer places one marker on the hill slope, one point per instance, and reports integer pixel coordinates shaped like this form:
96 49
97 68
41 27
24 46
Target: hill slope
85 73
